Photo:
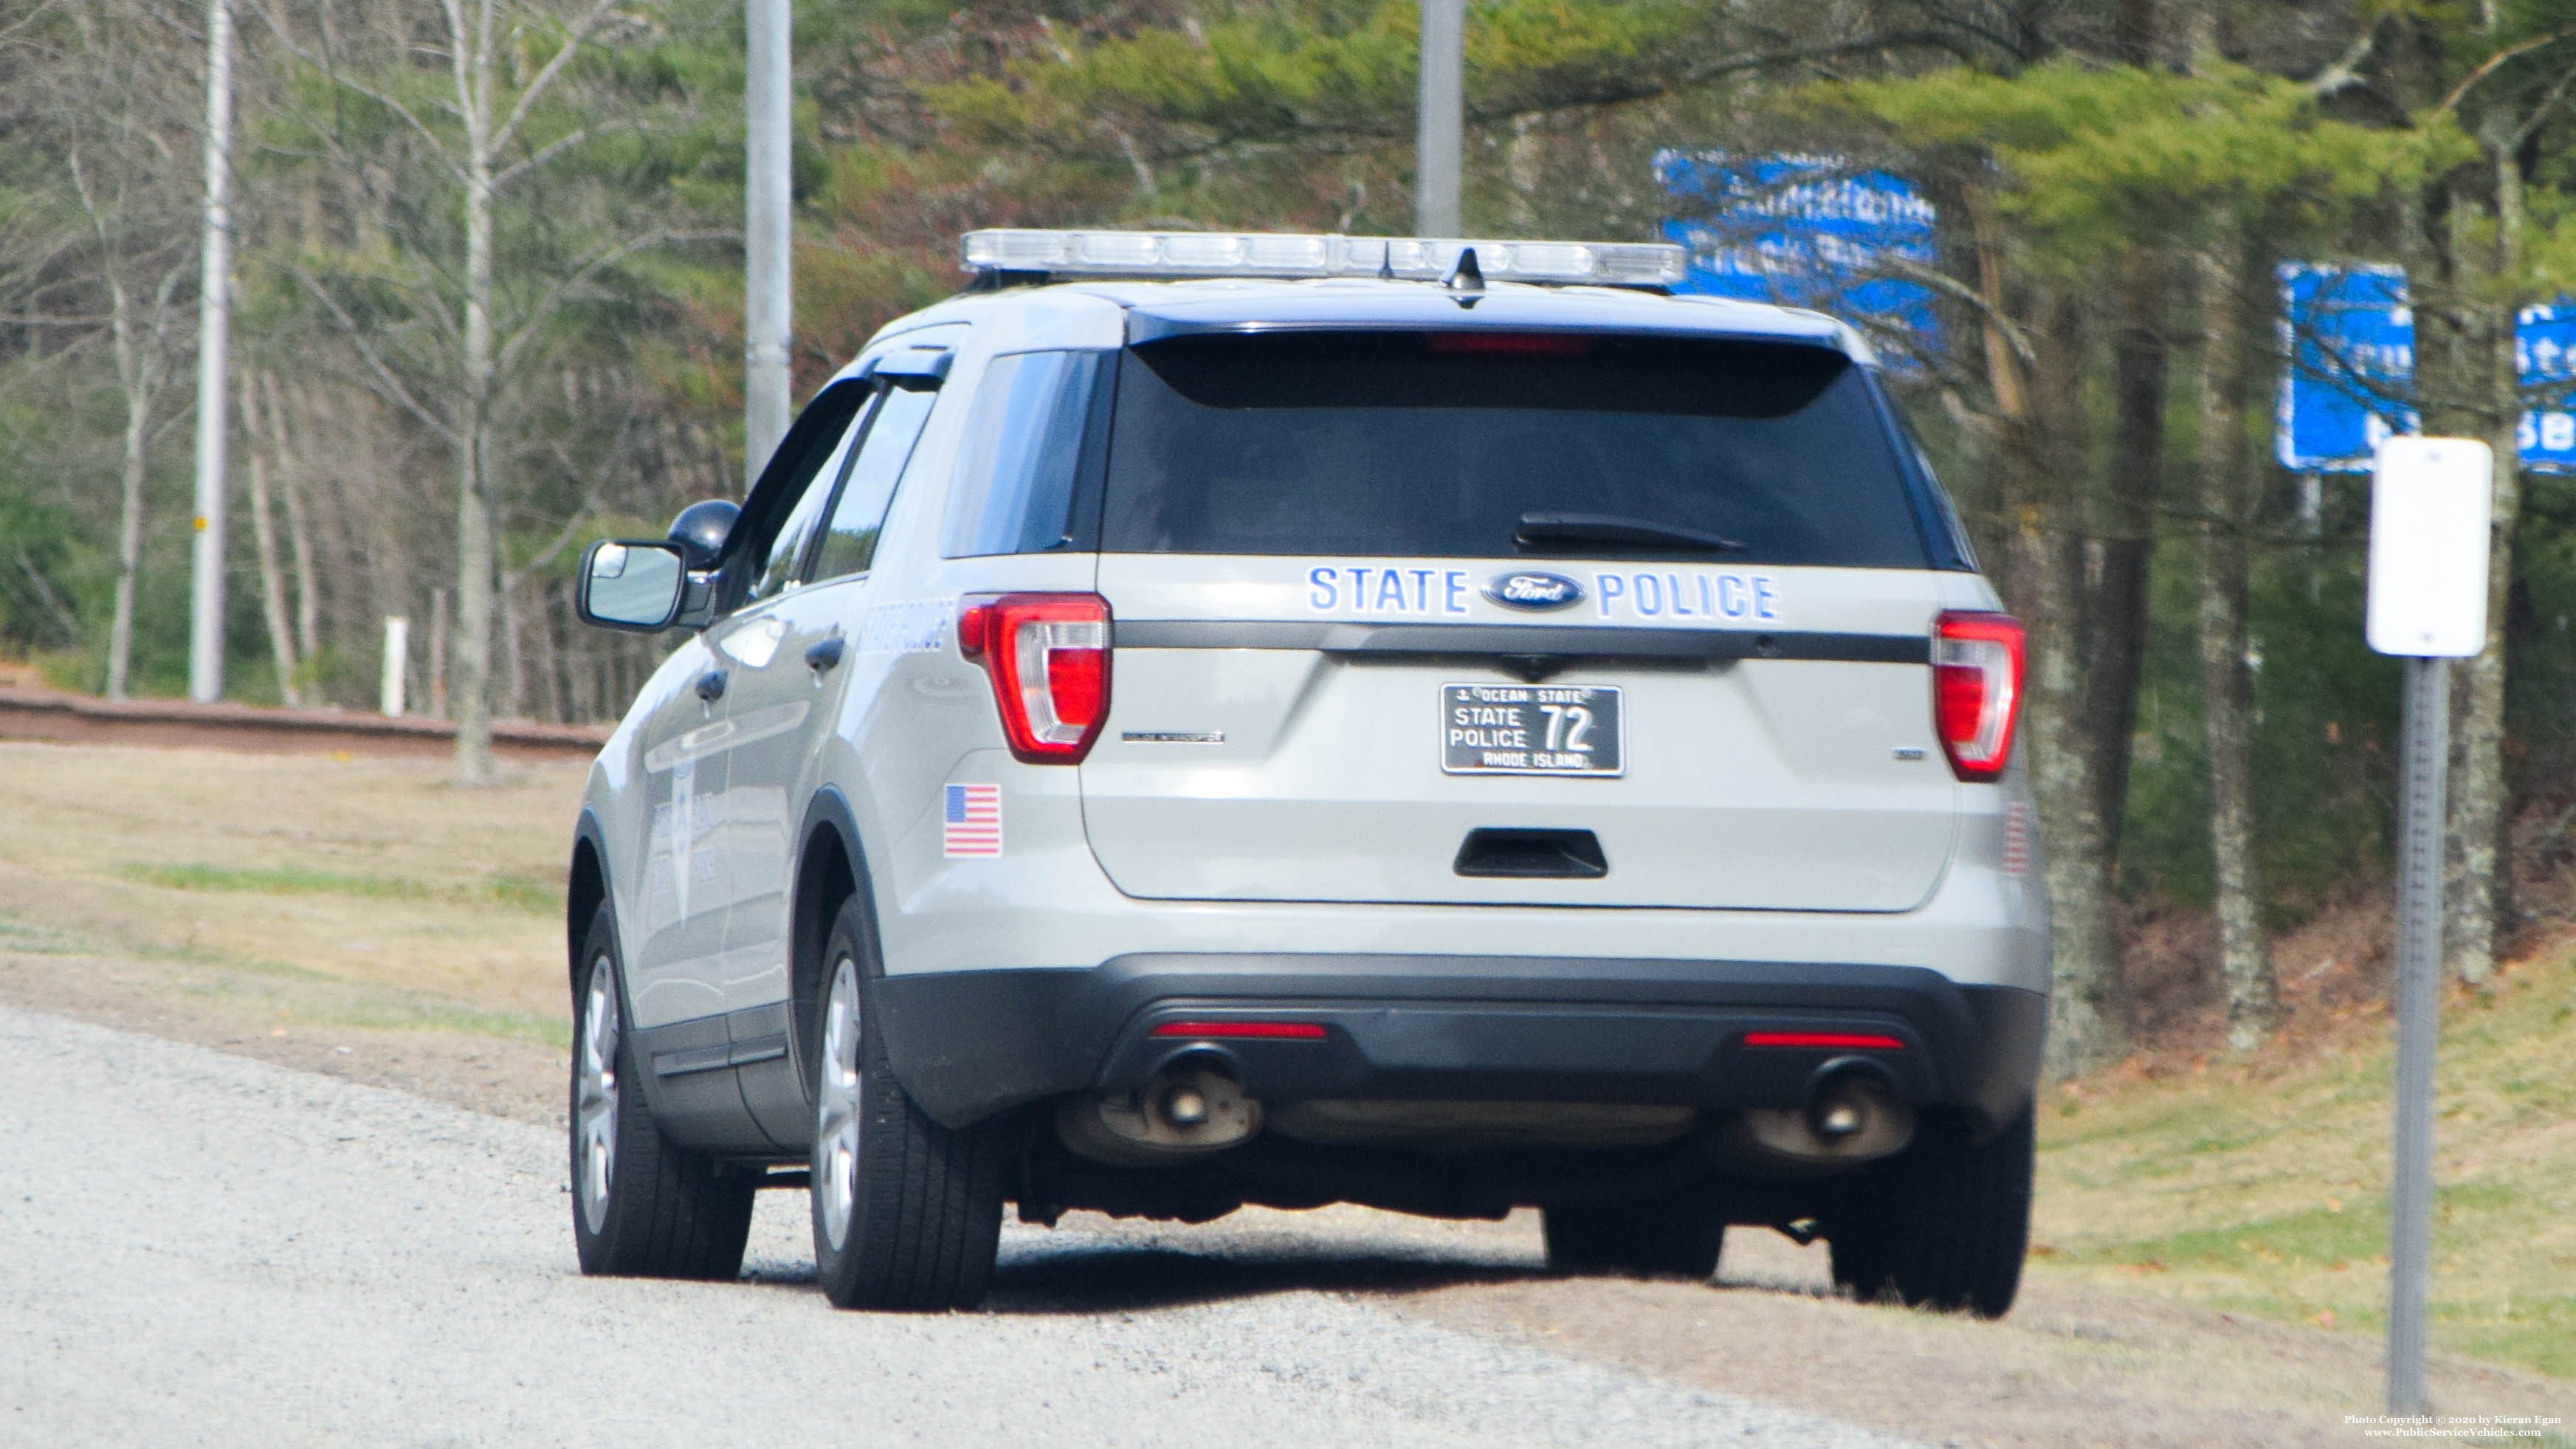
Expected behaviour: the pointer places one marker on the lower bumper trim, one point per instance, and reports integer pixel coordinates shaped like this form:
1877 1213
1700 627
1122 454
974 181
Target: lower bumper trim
970 1044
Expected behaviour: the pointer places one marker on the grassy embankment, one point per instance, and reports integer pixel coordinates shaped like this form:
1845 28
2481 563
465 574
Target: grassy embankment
312 893
2262 1189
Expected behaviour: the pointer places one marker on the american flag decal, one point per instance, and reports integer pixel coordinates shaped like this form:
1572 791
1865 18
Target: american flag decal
972 824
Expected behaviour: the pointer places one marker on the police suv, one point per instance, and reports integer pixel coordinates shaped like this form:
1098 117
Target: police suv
1207 719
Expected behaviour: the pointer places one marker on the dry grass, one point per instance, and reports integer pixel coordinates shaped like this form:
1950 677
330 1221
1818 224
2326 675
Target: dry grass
2261 1187
377 873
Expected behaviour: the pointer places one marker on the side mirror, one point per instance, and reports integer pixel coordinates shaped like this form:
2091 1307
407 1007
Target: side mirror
701 531
629 585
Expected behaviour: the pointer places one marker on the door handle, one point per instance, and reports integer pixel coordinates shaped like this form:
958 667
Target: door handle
711 685
823 654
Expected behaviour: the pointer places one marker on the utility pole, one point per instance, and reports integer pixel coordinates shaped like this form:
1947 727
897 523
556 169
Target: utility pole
768 323
1441 127
214 339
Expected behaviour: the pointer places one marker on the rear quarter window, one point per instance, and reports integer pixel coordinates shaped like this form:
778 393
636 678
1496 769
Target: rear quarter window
1023 459
1436 444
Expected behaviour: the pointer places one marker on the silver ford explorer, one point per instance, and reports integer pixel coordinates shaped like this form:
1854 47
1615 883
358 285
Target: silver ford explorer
1207 719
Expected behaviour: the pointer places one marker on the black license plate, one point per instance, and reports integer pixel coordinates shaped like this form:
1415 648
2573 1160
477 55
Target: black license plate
1530 729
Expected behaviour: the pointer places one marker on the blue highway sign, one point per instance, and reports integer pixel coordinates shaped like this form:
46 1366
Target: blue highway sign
1807 231
2350 337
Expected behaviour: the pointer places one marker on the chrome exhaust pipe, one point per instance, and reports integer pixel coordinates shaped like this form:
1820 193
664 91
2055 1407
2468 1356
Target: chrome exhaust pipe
1190 1110
1851 1117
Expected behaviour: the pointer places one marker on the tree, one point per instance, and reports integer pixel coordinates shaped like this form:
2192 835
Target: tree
2483 84
431 327
114 109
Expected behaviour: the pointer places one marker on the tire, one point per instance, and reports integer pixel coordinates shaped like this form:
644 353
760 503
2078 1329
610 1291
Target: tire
1944 1224
642 1206
907 1213
1644 1240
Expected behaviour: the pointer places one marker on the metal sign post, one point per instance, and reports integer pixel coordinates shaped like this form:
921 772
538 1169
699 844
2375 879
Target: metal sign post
2430 506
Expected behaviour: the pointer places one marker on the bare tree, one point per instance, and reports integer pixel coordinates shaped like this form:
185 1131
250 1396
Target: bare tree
119 91
272 581
473 139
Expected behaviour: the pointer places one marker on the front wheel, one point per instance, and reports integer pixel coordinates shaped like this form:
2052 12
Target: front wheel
1944 1224
907 1213
643 1207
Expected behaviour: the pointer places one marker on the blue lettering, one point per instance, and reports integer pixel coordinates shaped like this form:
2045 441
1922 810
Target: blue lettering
1390 586
1684 610
1646 584
1731 601
1422 591
1454 596
1606 587
1707 605
1359 586
1765 598
1320 593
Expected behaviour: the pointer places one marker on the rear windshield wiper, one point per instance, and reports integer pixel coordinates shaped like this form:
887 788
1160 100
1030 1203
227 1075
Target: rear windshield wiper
1546 528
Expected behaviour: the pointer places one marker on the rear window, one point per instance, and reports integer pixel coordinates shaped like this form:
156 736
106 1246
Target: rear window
1436 444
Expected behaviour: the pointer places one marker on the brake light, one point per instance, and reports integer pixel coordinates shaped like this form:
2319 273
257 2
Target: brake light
1242 1030
1526 344
1855 1041
1048 655
1976 690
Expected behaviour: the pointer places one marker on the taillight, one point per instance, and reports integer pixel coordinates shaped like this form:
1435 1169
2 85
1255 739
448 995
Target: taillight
1976 690
1048 655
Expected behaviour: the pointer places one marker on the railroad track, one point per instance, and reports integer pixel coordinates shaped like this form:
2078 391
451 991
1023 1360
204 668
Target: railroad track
62 717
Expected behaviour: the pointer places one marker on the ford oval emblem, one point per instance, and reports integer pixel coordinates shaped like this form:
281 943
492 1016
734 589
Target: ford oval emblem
1534 593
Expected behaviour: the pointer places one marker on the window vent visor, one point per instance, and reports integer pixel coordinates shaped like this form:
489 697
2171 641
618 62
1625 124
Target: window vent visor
1048 655
1977 670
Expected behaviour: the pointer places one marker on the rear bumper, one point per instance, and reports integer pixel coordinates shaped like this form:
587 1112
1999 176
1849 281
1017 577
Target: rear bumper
972 1043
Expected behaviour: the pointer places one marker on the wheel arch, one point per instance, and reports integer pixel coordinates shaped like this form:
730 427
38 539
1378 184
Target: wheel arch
585 891
831 866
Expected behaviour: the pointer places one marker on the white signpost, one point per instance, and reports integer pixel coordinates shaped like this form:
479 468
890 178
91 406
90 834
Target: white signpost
2431 501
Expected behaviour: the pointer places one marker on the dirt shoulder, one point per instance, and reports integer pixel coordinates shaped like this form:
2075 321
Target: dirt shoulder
296 1020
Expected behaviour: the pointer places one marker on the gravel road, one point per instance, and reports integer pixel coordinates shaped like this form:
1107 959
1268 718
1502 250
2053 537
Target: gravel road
202 1248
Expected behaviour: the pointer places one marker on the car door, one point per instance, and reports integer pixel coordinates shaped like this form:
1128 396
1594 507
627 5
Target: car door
676 927
782 710
693 733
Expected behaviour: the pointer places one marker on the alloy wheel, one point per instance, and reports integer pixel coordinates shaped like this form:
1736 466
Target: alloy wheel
595 1109
836 1126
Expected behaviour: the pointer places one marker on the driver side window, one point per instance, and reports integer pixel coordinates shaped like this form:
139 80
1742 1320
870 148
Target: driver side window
822 439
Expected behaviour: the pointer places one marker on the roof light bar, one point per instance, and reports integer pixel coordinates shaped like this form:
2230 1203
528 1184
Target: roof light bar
1176 254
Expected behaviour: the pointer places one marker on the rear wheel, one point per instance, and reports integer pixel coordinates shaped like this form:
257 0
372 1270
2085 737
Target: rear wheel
907 1213
642 1206
1642 1240
1944 1224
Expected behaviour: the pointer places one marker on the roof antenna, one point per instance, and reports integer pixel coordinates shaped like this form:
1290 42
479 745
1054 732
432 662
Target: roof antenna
1466 278
1386 261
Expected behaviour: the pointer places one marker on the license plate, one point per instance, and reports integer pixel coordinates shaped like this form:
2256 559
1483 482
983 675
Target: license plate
1530 729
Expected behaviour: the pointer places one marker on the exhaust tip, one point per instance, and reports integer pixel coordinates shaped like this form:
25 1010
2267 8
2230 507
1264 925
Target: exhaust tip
1190 1110
1851 1117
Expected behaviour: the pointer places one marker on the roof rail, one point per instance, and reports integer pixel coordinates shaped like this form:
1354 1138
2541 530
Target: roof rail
1006 256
